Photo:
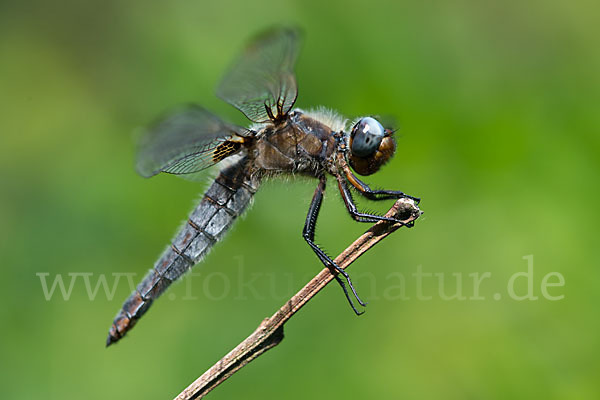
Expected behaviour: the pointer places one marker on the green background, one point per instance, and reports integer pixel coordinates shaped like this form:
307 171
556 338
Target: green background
497 109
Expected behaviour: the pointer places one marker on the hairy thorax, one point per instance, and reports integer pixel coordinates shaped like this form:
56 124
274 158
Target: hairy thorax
300 144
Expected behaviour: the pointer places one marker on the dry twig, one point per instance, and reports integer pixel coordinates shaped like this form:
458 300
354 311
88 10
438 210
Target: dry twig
270 332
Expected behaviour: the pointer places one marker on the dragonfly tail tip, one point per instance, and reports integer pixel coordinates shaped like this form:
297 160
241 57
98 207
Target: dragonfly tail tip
111 339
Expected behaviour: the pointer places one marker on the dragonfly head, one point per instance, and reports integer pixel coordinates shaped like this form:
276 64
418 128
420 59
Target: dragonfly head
371 146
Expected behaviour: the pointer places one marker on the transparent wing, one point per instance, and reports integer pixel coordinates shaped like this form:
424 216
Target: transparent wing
187 141
261 83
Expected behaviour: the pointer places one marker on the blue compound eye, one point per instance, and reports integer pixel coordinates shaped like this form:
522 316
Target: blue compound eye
366 137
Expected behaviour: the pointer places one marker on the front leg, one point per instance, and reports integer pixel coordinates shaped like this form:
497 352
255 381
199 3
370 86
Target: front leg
309 235
353 210
371 194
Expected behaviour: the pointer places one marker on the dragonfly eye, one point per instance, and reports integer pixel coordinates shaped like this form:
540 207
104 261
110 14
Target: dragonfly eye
371 146
366 137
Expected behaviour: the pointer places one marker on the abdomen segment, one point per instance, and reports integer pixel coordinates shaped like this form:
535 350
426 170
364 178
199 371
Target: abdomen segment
228 196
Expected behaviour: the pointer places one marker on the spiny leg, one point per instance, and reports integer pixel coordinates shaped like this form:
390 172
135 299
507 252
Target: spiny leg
371 194
343 285
353 210
309 235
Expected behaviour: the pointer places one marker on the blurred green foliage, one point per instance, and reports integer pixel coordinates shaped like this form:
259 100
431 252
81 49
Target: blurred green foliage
497 109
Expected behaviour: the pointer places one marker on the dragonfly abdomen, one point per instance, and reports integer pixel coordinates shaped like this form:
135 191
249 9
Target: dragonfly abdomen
226 199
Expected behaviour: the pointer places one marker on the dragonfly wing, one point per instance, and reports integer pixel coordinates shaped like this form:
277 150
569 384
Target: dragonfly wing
186 141
261 83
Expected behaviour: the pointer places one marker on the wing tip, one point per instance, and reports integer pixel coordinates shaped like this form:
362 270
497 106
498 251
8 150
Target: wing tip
144 172
294 31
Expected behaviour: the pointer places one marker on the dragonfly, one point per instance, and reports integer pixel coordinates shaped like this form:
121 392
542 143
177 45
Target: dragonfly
281 140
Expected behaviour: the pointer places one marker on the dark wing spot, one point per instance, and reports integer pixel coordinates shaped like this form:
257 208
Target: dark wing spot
226 149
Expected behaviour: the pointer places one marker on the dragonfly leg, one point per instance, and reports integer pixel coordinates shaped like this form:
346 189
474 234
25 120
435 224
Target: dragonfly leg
309 235
371 194
353 210
343 285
